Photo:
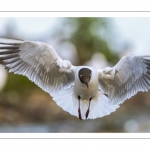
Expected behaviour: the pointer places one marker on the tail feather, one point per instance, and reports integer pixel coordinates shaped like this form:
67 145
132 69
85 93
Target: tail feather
98 108
65 100
102 107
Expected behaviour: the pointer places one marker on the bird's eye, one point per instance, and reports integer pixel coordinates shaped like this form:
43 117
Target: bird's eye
81 76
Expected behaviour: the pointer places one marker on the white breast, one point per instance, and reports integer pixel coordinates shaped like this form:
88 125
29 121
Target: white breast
81 90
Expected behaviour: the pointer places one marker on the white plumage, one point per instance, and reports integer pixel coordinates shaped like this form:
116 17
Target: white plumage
67 84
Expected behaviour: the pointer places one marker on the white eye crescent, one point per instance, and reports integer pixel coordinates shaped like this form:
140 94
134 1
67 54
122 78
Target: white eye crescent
81 76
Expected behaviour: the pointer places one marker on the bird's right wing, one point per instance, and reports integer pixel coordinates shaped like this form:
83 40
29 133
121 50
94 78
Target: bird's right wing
39 62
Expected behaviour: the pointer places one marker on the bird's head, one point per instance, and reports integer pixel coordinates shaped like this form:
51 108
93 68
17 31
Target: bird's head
85 75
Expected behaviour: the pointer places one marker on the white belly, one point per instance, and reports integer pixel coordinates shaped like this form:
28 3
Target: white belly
81 89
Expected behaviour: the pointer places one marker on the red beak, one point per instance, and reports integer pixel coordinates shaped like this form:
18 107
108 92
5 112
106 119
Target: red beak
87 85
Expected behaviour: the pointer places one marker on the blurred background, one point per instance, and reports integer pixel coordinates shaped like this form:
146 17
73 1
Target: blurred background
97 42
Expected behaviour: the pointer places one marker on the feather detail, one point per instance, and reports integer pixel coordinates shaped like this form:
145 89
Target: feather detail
99 107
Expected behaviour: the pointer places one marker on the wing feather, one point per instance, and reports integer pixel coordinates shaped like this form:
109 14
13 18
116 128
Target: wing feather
132 74
39 62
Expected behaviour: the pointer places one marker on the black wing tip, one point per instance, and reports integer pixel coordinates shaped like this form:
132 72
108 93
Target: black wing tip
9 47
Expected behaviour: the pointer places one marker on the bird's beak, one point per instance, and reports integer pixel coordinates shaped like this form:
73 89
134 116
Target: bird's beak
87 85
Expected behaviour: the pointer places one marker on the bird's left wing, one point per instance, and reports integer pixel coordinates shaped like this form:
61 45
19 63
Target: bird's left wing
39 62
130 75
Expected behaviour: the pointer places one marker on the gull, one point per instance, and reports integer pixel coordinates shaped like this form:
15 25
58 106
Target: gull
83 91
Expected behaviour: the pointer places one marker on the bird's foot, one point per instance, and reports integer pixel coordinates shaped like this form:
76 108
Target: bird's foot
79 113
87 113
88 110
79 110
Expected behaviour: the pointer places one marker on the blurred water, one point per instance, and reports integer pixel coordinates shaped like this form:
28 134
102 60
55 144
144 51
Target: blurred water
138 124
67 126
25 129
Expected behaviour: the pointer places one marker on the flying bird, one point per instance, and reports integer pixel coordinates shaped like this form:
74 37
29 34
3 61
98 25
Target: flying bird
85 92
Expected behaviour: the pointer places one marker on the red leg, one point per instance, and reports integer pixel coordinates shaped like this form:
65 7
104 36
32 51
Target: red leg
79 110
88 110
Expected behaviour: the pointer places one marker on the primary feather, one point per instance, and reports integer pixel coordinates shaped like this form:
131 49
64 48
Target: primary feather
39 62
130 75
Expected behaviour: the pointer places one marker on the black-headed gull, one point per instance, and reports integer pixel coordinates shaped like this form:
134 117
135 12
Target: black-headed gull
83 91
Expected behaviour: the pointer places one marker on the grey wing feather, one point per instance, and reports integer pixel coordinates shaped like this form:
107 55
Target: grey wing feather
39 62
129 76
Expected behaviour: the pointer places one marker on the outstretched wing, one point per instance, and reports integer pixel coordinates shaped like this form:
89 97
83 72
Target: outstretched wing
39 62
130 75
